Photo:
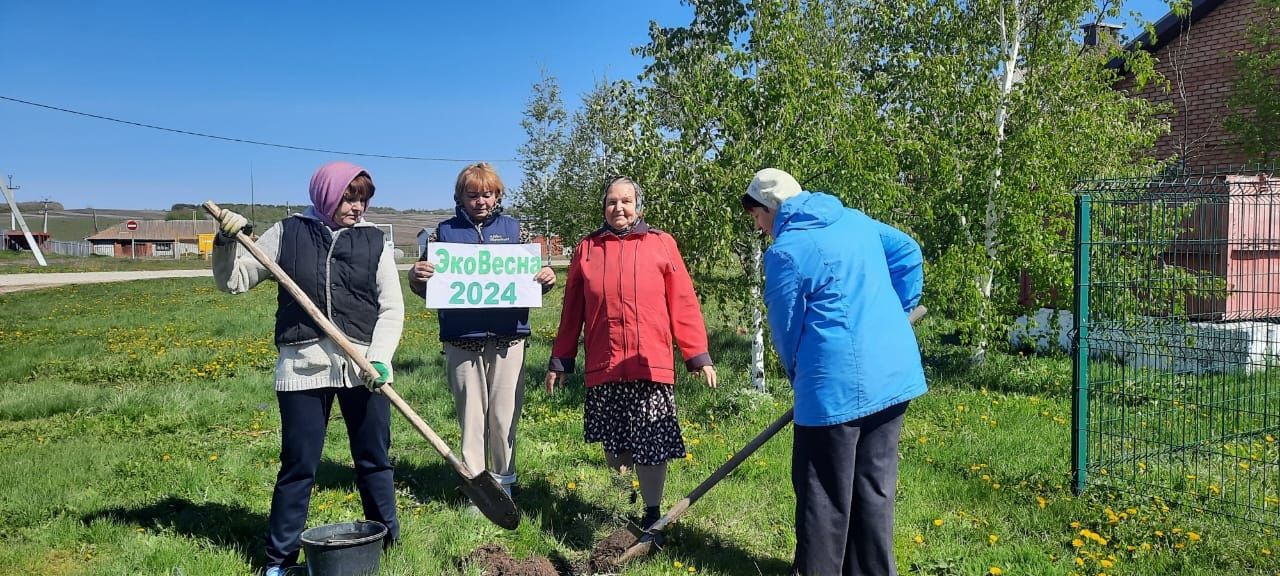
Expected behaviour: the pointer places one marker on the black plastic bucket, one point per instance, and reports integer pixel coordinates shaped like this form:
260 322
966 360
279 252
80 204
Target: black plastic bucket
345 549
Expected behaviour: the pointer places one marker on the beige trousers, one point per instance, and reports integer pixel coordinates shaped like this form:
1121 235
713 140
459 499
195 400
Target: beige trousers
488 393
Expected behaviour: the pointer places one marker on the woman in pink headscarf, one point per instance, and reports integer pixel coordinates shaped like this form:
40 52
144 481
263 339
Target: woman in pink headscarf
340 262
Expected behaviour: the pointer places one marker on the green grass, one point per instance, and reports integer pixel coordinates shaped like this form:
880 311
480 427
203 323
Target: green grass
139 433
72 228
12 262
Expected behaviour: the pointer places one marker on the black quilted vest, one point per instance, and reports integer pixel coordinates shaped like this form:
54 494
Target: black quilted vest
337 272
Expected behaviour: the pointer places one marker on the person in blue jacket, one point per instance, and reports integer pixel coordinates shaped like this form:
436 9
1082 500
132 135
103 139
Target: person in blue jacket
838 286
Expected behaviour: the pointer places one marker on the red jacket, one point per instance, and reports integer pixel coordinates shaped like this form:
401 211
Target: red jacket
635 297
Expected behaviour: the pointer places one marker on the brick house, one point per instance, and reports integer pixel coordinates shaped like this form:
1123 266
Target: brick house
1198 56
153 238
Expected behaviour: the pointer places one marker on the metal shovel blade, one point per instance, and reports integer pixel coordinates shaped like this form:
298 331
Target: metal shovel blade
494 502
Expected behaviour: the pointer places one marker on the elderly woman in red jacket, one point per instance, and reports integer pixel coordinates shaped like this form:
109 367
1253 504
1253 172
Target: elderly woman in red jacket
629 286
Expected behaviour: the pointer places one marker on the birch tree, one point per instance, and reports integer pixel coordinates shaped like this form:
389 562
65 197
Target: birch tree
966 123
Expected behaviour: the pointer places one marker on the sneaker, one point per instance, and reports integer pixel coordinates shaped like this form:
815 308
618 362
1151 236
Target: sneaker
658 538
274 571
651 516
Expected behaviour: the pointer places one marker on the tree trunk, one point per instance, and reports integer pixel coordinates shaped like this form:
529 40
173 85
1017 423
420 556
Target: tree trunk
757 324
1010 44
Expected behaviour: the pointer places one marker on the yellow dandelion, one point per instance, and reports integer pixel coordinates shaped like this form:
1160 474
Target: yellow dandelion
692 570
1106 563
1266 551
937 521
995 571
677 564
1075 525
992 538
1192 536
572 486
1077 543
165 458
1079 561
918 539
1041 501
635 484
213 457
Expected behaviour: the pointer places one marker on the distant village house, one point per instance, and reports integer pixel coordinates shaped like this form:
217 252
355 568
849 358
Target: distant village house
153 238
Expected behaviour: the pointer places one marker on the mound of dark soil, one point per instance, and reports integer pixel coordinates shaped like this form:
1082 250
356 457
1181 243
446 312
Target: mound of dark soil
604 557
494 560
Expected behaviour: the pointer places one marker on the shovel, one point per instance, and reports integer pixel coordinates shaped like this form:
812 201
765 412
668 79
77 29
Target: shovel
483 489
646 545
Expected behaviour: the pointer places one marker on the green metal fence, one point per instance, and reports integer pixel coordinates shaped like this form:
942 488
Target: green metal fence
1177 340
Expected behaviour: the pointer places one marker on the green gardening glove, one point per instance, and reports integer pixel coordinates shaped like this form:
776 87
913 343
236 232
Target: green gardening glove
375 381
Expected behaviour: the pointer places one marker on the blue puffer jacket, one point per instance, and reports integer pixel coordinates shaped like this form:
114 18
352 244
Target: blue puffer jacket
838 285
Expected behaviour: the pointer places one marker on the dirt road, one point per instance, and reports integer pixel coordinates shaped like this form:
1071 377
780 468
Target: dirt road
16 282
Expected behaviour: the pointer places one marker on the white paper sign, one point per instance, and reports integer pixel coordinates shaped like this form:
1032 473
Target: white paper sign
484 275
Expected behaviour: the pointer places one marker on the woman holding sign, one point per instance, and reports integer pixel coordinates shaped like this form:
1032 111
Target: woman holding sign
483 347
628 284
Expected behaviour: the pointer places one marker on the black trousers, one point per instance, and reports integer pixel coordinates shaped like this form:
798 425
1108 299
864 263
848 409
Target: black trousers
845 477
304 418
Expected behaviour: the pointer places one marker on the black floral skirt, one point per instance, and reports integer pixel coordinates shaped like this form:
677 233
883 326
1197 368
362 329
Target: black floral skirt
638 417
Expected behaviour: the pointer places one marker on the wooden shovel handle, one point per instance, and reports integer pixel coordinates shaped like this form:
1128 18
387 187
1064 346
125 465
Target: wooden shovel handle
341 339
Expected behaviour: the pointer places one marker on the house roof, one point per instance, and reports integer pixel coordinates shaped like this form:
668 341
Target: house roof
19 234
162 230
1168 28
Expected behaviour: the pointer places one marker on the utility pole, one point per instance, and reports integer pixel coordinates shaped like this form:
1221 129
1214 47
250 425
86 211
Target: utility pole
13 214
20 221
45 227
95 220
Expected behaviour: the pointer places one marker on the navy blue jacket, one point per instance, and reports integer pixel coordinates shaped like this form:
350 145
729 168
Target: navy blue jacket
466 324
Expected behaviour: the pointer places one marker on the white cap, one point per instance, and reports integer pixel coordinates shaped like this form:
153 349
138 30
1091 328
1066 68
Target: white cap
771 187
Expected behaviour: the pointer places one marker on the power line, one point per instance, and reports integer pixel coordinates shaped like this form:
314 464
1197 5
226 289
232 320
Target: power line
241 140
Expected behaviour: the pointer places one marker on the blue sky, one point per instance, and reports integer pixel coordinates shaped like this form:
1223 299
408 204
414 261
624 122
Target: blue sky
430 79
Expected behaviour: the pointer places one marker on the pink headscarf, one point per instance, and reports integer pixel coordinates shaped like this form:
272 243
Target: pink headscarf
327 186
